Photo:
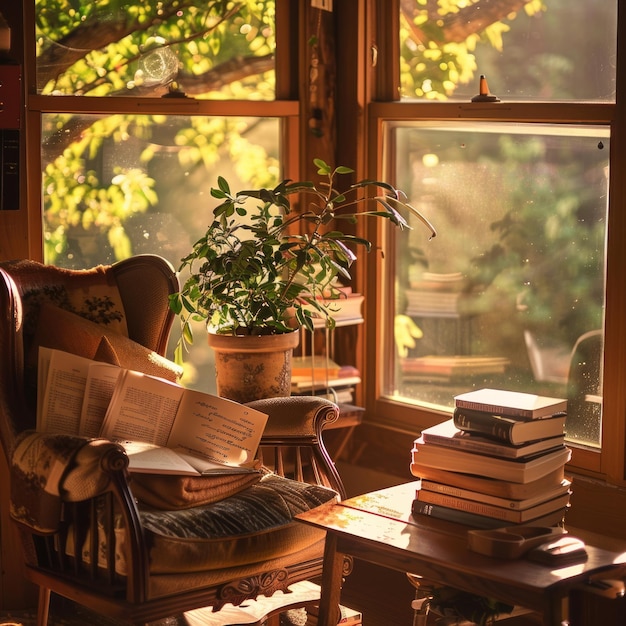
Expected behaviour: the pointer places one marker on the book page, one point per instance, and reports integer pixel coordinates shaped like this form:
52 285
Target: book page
153 459
217 429
203 466
99 387
43 367
63 391
143 408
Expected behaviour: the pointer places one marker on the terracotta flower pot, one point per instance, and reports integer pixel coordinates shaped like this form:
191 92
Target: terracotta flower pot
251 367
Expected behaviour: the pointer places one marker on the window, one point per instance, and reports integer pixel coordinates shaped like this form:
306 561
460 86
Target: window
140 106
513 290
215 49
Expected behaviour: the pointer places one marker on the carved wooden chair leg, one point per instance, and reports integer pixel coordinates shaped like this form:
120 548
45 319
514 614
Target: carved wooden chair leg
43 607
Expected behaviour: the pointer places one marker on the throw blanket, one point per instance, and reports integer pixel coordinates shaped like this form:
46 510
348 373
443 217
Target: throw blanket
184 492
47 469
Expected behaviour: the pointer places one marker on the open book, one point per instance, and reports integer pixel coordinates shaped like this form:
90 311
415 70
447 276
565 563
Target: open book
164 427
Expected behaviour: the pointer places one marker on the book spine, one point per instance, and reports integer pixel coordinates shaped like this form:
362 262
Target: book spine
454 515
470 506
457 492
485 423
504 449
521 414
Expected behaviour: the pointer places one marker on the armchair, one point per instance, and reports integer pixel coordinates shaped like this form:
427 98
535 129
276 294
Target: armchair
85 534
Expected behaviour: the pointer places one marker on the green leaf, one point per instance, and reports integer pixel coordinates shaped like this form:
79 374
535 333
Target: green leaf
175 303
223 185
187 333
322 167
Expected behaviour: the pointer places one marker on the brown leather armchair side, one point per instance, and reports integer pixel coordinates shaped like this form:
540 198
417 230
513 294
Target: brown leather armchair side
87 537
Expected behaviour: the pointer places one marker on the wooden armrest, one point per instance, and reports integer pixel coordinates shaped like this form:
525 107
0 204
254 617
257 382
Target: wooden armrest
296 416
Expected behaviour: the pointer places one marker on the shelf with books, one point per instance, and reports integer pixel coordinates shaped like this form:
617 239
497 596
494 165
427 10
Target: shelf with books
447 368
317 370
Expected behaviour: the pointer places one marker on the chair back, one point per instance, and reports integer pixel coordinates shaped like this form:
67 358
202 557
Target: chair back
131 296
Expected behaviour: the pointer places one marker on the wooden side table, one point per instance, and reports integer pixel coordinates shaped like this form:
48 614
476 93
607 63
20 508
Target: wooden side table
378 527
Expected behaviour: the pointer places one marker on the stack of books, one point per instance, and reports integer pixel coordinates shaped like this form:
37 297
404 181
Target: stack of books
321 376
499 461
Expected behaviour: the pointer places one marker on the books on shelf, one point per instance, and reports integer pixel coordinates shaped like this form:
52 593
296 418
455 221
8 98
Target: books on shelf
511 430
520 470
346 309
447 434
346 377
338 395
433 281
490 486
314 367
522 504
455 366
510 403
508 515
165 427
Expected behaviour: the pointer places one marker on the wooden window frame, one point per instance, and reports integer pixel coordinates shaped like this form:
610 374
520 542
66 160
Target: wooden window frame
383 105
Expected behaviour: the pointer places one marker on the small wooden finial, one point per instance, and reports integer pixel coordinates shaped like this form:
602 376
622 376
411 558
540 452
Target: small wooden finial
483 92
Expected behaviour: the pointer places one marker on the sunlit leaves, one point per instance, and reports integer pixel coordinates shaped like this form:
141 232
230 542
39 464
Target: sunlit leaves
259 264
432 64
199 35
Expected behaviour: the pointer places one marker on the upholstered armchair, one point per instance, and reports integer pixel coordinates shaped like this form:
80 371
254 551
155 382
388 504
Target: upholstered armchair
89 532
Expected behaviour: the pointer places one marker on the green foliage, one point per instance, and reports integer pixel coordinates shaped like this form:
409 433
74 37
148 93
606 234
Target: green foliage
121 47
437 55
80 201
547 255
109 48
263 267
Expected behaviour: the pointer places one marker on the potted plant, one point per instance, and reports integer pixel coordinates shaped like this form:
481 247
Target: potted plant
262 270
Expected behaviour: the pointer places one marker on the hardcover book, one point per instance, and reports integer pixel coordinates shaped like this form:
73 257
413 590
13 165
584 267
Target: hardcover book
509 429
508 503
491 486
513 470
513 516
512 403
314 367
448 435
479 521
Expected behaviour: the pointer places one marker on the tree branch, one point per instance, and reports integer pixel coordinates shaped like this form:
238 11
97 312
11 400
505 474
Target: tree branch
457 27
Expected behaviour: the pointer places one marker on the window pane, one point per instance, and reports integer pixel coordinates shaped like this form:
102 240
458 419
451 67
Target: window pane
204 49
141 184
545 50
513 285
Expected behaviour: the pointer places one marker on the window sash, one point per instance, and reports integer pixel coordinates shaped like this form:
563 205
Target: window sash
408 416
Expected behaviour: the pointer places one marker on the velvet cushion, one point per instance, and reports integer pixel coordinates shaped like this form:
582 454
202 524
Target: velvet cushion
252 526
63 330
